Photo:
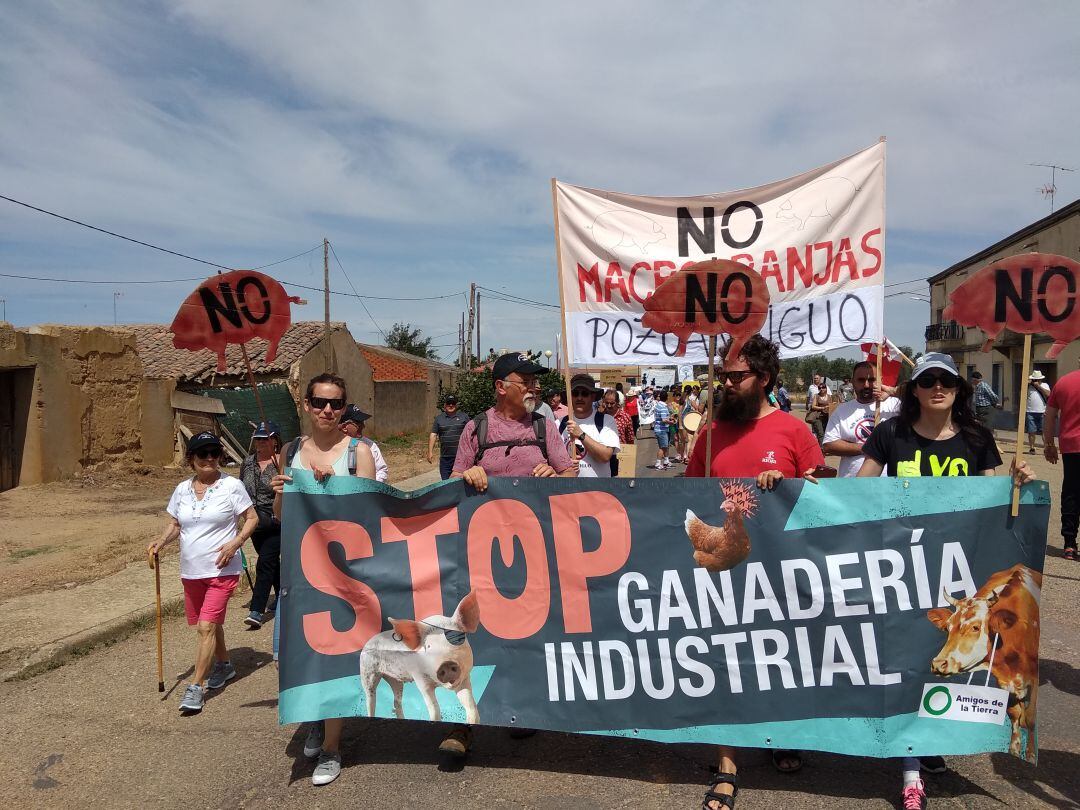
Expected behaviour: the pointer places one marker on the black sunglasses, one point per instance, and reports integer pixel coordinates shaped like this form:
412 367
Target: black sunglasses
318 403
946 379
581 392
212 452
454 637
735 377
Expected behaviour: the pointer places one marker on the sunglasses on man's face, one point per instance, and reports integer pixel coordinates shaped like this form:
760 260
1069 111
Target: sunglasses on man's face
212 452
581 392
319 403
734 377
946 379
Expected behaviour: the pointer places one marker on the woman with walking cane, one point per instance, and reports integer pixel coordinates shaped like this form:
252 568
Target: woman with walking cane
257 472
204 511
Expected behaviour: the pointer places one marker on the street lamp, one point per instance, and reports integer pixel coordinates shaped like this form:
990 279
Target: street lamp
547 354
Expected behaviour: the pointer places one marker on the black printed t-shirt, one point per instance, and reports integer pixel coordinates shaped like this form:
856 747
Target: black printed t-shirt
906 454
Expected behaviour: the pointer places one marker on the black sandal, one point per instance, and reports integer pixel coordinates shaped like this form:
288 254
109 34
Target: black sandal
778 755
721 778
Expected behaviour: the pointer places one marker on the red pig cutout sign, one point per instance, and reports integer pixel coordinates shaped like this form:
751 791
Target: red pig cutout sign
233 308
1033 293
713 297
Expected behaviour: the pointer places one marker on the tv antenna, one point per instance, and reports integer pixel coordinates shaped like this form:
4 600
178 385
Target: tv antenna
1050 189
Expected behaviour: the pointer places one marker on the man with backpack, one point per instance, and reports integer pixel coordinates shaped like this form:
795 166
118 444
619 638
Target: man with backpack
509 439
594 433
352 425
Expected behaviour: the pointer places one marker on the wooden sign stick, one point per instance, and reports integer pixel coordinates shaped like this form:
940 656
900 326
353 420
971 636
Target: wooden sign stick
251 379
712 406
877 402
1021 419
562 310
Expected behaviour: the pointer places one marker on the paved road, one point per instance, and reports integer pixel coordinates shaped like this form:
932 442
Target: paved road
97 733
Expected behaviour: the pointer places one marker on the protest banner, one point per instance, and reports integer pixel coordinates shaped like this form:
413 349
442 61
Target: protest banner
817 240
1031 293
882 617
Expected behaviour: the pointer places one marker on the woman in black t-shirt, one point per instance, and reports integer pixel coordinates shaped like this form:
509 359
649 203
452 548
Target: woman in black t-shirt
935 434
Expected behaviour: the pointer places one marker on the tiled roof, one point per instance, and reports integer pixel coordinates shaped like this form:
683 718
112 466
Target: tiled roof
390 364
163 360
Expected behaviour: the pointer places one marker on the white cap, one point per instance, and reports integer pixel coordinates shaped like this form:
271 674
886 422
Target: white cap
933 360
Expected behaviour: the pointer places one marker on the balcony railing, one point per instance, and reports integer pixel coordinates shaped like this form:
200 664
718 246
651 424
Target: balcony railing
950 330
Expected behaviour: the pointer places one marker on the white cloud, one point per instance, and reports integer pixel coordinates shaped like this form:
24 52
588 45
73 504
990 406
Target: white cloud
420 137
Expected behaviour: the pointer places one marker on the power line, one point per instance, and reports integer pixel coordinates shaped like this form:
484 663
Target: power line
358 298
101 281
518 297
111 233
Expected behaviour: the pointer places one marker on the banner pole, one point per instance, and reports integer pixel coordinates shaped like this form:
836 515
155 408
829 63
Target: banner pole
565 351
251 380
712 406
877 402
1021 418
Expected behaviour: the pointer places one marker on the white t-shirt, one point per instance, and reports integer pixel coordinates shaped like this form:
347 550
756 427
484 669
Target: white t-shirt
646 410
608 435
382 471
207 525
854 422
1037 398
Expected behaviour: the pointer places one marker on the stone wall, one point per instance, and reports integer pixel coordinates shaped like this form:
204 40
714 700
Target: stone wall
85 398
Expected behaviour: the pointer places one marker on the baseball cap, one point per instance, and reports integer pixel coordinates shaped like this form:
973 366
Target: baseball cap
265 430
585 381
354 414
201 440
450 400
515 362
933 360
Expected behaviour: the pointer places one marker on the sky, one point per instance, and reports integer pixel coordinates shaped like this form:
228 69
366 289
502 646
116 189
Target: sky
420 139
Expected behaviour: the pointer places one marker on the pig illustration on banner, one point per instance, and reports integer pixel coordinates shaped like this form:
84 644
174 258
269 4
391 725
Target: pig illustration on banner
1033 293
233 308
712 297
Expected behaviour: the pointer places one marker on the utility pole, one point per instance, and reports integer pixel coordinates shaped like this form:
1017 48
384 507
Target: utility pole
479 357
461 343
327 349
472 316
115 295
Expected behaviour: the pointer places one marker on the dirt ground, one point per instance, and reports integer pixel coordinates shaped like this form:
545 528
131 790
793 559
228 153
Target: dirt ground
67 532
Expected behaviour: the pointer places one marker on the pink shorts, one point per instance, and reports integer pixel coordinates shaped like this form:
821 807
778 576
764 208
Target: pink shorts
205 600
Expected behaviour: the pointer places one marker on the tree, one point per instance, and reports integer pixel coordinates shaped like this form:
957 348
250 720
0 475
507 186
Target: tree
408 340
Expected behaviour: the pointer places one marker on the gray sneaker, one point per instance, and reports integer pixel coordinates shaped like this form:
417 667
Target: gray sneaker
314 741
193 699
222 672
328 769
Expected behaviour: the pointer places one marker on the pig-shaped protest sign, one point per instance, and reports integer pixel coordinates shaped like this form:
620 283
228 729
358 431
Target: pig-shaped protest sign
1033 293
713 297
233 308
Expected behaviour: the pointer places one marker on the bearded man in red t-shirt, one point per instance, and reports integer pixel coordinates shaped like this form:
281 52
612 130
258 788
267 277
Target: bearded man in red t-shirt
752 438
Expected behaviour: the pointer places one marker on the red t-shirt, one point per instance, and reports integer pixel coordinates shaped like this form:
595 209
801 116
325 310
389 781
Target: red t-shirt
778 441
1065 396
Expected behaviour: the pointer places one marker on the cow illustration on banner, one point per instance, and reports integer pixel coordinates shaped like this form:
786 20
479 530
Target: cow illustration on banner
816 240
885 617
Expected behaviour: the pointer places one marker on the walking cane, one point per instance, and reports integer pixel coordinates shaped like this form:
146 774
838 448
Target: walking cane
154 563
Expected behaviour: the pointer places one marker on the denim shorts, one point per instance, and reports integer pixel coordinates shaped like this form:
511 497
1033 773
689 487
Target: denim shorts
663 438
1034 422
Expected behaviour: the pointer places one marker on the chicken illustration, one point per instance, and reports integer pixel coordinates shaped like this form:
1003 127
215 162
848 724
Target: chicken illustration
721 548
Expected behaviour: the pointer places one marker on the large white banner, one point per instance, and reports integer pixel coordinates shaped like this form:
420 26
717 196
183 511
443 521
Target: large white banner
817 239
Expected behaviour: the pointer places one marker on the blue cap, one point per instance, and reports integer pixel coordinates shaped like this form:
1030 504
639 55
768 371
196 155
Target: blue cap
265 430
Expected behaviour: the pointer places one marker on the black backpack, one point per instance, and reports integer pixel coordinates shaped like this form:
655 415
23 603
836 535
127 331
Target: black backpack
539 424
598 420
